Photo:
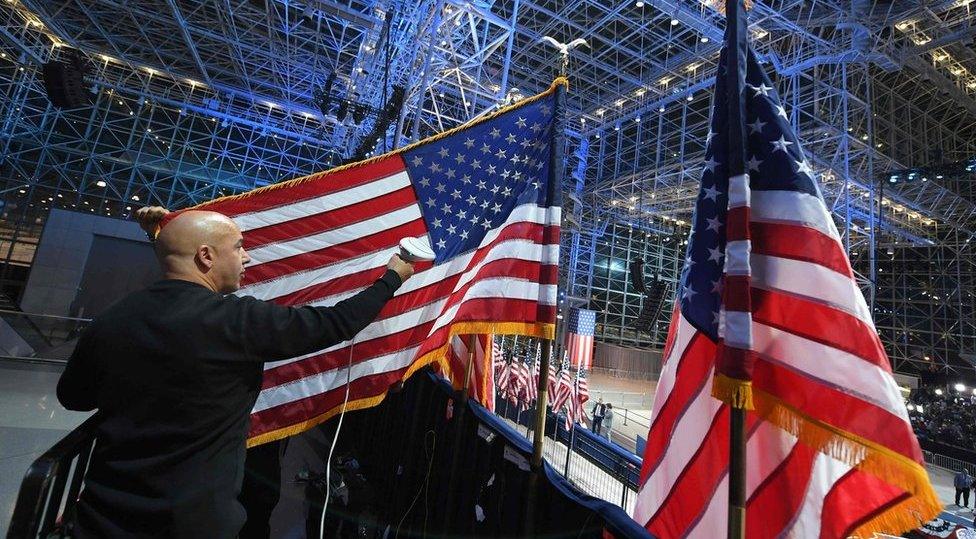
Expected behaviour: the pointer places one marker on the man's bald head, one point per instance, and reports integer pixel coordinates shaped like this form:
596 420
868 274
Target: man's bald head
203 246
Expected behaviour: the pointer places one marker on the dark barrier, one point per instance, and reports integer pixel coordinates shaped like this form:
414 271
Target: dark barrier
42 499
953 451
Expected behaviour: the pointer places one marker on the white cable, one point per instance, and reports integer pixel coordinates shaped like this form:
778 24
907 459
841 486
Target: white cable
328 462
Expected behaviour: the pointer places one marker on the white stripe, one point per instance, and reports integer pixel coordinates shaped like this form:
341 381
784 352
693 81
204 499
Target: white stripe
496 287
826 471
738 327
688 435
299 280
737 257
327 202
833 367
792 207
330 238
811 281
665 384
332 379
739 191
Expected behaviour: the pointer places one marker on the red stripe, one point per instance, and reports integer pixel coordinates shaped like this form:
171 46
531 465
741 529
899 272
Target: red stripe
692 374
478 309
854 499
799 243
519 230
411 336
820 323
330 219
776 500
313 186
384 239
696 484
737 224
736 296
835 407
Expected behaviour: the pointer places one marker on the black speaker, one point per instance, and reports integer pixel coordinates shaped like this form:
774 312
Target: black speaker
64 82
637 274
653 301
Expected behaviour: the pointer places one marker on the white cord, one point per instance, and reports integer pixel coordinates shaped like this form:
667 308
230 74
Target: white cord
328 462
424 486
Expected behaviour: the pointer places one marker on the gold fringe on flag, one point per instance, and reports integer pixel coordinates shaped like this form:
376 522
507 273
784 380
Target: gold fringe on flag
541 330
920 506
737 393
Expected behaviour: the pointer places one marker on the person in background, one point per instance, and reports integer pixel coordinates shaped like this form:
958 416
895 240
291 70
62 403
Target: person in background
963 483
174 371
597 411
607 421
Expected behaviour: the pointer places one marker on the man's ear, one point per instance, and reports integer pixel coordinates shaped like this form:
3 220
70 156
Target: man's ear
205 257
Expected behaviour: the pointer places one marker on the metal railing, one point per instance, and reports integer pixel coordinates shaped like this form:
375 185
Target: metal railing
49 491
946 463
39 336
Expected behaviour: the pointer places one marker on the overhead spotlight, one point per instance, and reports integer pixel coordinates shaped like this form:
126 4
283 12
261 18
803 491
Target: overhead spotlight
639 3
960 387
910 407
704 39
100 183
938 392
661 108
674 22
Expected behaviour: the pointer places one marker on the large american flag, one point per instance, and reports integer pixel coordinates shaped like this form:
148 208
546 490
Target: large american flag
830 451
579 337
481 194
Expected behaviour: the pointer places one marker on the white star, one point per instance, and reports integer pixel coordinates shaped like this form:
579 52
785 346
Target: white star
709 137
689 262
473 219
516 175
446 208
717 287
781 144
506 192
496 208
450 173
536 127
485 148
440 188
475 164
511 138
715 317
464 234
425 182
780 111
484 204
472 200
762 89
495 133
481 184
466 179
715 255
505 174
434 167
753 163
451 229
804 168
456 194
417 161
441 243
431 202
520 122
462 214
459 158
486 224
443 152
688 292
714 223
710 193
491 170
469 143
437 223
500 153
756 126
494 189
711 164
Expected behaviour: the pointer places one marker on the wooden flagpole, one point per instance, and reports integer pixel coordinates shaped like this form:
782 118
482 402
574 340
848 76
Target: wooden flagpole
735 54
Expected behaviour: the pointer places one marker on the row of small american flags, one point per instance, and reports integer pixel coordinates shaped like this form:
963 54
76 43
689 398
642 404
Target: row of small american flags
517 380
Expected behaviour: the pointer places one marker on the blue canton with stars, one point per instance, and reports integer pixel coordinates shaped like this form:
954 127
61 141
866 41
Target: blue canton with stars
581 321
469 182
774 161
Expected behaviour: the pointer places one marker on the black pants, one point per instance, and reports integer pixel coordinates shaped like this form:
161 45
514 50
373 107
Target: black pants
965 496
597 423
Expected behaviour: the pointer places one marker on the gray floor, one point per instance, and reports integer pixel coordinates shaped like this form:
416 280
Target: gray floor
31 421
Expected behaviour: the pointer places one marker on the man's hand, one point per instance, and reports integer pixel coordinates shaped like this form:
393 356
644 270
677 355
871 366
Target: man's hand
149 218
403 269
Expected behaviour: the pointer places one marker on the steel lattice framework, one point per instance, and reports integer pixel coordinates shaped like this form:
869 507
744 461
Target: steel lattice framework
194 99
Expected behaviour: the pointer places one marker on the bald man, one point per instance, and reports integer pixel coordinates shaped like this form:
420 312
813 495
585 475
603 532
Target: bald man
174 371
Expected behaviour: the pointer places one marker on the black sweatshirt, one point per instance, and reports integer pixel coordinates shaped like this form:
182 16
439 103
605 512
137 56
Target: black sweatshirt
174 370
